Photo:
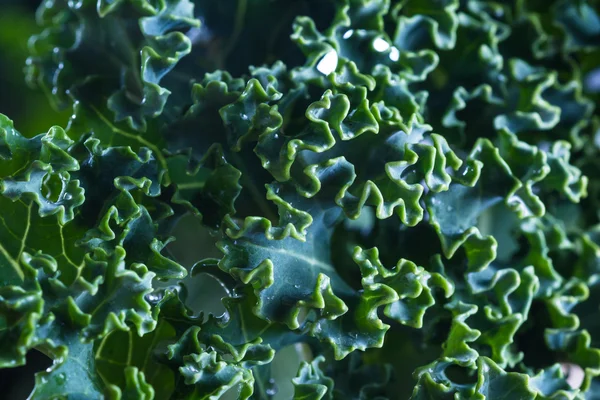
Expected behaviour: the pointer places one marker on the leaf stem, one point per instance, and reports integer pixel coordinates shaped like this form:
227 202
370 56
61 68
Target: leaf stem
240 15
304 352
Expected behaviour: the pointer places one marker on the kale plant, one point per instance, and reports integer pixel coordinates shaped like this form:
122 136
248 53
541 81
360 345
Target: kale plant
396 198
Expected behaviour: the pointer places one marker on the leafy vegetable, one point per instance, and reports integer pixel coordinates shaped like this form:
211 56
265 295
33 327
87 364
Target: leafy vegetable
404 192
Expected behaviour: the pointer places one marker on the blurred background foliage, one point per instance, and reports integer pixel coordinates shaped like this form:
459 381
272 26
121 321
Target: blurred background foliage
28 108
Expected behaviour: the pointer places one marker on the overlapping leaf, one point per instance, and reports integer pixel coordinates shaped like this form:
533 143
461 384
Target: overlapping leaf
417 176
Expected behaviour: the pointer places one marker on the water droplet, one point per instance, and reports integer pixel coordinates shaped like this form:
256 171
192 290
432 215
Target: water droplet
153 297
272 388
328 63
348 33
61 378
394 54
380 45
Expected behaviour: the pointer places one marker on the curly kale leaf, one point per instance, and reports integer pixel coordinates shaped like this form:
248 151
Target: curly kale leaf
404 192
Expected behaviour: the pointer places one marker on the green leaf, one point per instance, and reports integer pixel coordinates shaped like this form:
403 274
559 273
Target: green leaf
311 383
373 189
